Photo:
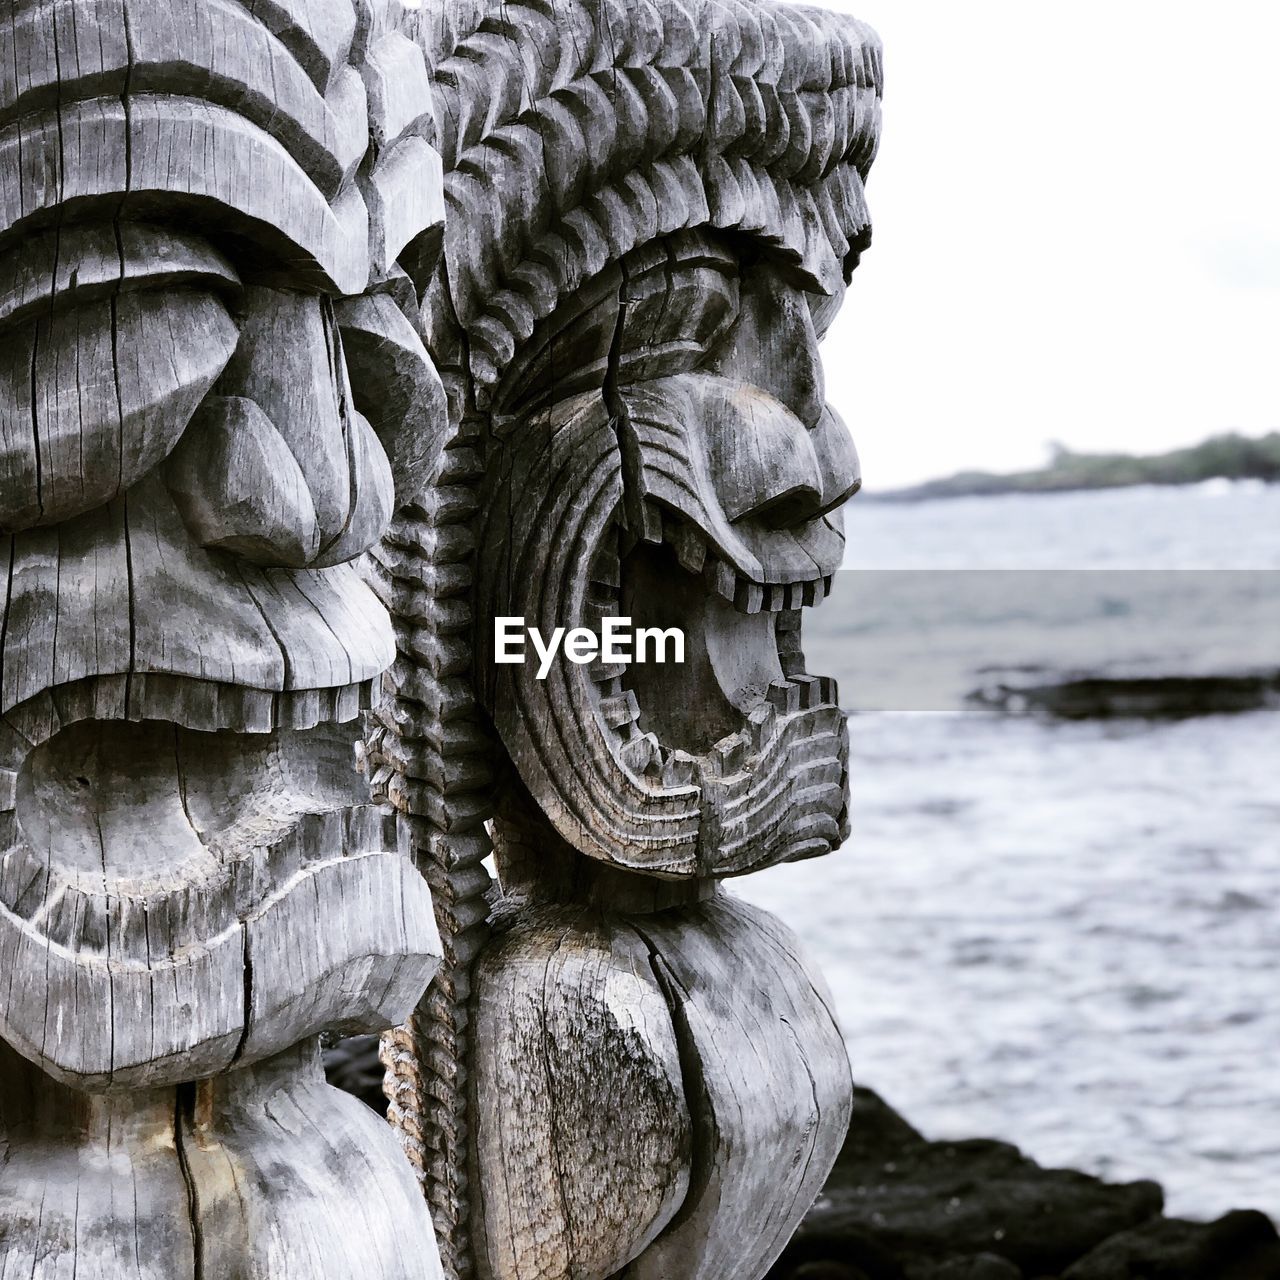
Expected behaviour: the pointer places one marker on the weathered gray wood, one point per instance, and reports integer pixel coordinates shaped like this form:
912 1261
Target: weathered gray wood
210 902
239 487
87 426
194 882
91 1187
261 1173
259 399
590 1158
772 1092
652 213
215 46
396 386
614 1146
79 264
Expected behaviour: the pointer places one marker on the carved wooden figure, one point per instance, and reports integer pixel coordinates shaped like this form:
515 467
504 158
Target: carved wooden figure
215 219
653 209
278 332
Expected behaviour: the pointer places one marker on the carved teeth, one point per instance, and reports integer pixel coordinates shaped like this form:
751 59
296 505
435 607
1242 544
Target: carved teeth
748 597
790 652
642 754
762 720
604 672
731 752
594 612
678 769
810 691
743 592
652 531
721 578
605 582
619 710
784 697
690 549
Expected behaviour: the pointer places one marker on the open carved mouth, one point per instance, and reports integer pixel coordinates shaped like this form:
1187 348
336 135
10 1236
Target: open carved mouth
741 718
182 882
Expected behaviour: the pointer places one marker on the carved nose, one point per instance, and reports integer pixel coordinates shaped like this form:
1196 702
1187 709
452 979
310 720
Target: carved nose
774 346
768 466
837 460
763 460
277 466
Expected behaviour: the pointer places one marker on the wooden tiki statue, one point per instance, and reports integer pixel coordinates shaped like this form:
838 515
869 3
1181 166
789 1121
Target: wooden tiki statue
653 209
216 217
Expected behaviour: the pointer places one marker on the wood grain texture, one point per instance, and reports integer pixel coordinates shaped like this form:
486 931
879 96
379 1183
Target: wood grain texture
674 1090
336 329
79 425
652 212
289 1176
396 386
589 1158
194 882
203 902
239 488
131 592
262 1173
430 755
90 1187
771 1091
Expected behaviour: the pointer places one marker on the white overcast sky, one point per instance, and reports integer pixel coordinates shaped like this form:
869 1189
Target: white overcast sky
1077 233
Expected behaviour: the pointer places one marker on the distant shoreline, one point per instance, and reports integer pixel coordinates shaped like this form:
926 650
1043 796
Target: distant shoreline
1224 457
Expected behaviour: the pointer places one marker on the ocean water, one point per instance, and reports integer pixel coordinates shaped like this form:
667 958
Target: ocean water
1063 935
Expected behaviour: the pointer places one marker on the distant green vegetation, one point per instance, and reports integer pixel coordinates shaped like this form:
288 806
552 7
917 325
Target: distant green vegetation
1233 457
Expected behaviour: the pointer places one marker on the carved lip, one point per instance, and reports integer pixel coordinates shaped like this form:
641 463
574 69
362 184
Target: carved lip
742 719
186 882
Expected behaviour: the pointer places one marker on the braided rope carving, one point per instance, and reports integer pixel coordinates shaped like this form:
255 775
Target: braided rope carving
429 755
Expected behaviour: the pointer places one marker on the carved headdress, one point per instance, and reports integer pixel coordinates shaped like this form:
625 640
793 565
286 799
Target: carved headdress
573 133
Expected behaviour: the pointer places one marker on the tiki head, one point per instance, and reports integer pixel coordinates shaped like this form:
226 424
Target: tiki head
215 222
641 319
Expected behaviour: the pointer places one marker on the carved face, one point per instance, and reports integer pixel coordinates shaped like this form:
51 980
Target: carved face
202 315
663 451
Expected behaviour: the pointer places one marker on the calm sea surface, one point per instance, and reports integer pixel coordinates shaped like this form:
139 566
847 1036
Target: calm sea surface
1064 935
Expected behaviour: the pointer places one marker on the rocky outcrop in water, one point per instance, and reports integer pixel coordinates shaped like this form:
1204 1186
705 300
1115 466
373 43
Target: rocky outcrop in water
1149 697
899 1207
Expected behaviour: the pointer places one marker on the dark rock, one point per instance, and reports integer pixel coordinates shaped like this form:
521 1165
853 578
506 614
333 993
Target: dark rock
827 1271
982 1266
1240 1246
1102 697
896 1202
353 1066
858 1253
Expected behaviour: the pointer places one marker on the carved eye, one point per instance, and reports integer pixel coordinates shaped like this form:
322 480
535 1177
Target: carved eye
111 338
678 309
660 312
